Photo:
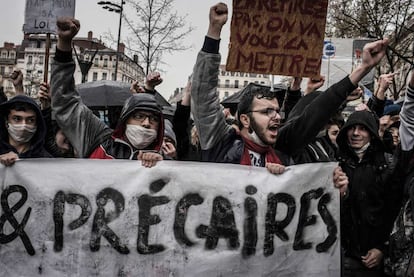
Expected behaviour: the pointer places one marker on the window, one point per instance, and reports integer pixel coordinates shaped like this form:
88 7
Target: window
227 84
96 62
236 84
29 59
12 55
4 55
104 76
2 70
226 94
113 76
95 76
41 59
105 64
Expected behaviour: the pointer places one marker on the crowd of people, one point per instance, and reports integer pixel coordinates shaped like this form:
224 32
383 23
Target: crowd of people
373 146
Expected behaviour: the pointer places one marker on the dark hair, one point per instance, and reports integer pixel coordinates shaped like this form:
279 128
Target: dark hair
20 107
246 100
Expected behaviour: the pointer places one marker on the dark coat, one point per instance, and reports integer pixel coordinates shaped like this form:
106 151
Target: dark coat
365 219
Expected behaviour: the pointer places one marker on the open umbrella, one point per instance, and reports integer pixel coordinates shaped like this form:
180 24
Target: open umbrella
106 93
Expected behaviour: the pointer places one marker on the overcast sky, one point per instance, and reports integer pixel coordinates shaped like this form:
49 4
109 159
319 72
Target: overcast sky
94 18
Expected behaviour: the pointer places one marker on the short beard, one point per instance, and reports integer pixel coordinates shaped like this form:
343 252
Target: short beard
252 129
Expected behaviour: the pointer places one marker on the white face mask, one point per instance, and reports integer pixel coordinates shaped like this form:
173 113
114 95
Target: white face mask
255 138
140 137
21 133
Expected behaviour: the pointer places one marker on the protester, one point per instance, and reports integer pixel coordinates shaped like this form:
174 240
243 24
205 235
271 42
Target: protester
292 96
170 141
3 96
23 130
140 131
153 79
323 147
377 102
365 219
17 80
258 111
401 259
57 144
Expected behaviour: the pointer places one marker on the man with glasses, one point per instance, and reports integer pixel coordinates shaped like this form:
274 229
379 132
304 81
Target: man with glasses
22 131
262 141
140 130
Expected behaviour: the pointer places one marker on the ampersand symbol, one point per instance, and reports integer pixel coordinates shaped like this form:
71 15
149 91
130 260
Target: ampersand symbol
8 216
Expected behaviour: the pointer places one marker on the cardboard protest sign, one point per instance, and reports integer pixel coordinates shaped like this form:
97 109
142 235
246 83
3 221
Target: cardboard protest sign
277 37
68 217
41 15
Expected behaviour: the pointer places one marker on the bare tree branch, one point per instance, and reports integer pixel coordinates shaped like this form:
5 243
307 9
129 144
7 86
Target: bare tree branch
156 29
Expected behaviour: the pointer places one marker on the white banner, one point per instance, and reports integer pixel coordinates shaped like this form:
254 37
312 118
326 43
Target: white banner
41 15
79 217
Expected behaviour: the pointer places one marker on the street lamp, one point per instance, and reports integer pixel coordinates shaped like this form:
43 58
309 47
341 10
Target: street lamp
112 7
85 63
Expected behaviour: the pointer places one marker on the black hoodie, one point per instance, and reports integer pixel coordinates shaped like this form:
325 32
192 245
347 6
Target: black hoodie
365 212
36 149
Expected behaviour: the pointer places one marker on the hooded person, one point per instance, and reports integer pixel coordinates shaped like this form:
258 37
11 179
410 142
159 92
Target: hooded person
169 147
23 130
366 213
139 132
140 127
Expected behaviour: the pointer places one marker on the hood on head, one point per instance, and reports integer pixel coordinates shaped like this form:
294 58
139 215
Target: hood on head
142 102
365 118
169 132
38 139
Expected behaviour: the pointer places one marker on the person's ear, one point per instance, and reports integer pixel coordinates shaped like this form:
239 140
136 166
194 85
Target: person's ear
245 121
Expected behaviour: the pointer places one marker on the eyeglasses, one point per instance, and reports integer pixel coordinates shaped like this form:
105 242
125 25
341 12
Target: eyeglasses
139 116
270 112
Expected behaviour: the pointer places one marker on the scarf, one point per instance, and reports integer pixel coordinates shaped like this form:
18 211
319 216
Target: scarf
361 151
270 155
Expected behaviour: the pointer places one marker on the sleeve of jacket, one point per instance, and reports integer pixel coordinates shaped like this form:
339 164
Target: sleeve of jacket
300 131
407 121
292 97
205 103
83 129
180 127
376 105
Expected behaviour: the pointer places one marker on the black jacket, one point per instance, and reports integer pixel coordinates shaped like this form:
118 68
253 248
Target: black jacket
365 214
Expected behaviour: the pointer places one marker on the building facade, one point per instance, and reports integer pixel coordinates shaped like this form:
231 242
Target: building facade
8 59
30 59
232 82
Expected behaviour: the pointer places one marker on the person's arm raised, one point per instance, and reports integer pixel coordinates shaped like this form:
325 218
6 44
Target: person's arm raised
68 27
218 17
372 54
